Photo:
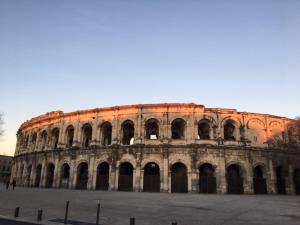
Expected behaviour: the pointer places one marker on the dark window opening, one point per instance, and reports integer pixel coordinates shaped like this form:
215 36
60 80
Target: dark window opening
204 131
55 136
70 136
229 130
152 129
106 131
128 133
87 135
44 139
178 129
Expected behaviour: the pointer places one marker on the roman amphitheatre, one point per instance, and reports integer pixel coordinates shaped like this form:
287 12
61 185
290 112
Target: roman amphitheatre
159 148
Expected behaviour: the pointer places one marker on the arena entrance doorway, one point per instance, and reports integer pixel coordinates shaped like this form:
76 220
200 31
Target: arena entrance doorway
82 176
259 182
179 178
125 177
65 176
207 179
297 180
151 178
280 181
234 180
50 175
38 173
102 182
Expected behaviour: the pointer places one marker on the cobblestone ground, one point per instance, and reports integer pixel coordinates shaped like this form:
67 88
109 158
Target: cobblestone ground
150 208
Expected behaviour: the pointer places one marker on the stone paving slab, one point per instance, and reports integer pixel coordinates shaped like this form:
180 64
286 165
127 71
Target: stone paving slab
150 208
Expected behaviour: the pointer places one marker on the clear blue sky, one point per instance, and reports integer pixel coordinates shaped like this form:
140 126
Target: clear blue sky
70 55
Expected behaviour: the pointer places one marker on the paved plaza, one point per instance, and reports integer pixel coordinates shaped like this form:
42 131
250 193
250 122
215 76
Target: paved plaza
150 208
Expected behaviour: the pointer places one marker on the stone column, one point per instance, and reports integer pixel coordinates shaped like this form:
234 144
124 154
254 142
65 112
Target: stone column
61 138
73 174
165 177
91 173
271 179
112 177
194 181
95 135
189 174
142 180
56 173
138 128
248 178
117 179
115 131
43 174
221 175
77 135
136 178
31 181
24 175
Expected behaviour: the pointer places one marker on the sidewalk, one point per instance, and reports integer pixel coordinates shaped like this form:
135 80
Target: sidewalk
150 208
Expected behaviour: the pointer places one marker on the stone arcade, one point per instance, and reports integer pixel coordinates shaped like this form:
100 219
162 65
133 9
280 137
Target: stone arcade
159 148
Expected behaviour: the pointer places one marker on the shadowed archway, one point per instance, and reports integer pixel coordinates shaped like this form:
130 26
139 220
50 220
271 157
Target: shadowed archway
151 178
179 178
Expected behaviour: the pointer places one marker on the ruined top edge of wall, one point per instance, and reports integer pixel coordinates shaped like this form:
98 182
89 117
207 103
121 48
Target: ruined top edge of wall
167 107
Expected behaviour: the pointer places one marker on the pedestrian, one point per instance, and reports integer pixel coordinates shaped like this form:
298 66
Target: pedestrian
14 184
7 184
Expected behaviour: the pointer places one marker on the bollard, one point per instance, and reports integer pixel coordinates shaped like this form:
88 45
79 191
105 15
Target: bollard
66 213
39 216
98 213
132 221
174 223
17 210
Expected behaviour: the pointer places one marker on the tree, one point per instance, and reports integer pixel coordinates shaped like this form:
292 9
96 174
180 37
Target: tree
290 137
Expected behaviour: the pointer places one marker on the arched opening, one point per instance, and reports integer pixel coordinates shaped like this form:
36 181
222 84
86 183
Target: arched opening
207 179
204 130
179 178
102 181
70 136
259 181
234 180
65 176
151 178
38 173
178 129
125 177
297 180
87 135
152 129
33 140
44 139
28 175
128 132
280 180
50 175
229 131
106 134
82 176
54 138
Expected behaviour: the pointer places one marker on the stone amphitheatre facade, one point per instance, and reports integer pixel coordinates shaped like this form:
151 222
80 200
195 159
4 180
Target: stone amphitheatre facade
159 148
